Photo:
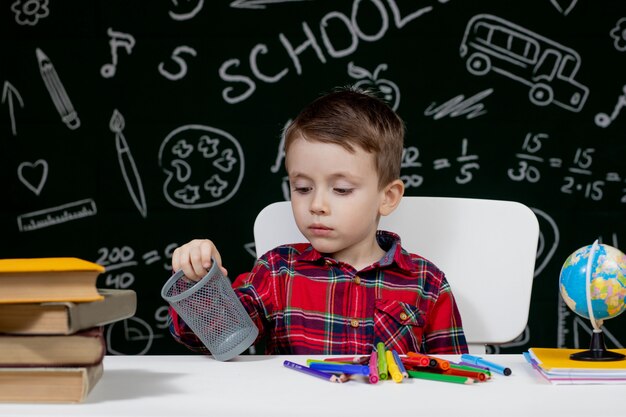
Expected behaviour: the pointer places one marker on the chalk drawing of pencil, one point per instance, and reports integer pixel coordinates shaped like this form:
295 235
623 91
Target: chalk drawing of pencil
57 91
127 163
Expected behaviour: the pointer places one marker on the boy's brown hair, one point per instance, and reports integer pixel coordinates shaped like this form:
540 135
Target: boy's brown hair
349 118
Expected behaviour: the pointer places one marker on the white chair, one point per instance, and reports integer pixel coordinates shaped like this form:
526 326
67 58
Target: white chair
486 248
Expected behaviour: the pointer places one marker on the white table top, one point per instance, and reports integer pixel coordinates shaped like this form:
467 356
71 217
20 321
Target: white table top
251 386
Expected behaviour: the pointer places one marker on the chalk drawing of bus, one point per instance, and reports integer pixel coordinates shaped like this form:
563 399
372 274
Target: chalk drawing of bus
493 44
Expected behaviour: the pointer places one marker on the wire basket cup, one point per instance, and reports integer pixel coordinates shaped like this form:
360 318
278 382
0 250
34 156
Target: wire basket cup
213 311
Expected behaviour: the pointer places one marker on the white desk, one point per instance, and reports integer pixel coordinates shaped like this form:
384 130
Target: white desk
186 386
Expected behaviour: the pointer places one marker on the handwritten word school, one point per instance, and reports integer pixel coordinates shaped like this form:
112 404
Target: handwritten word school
243 84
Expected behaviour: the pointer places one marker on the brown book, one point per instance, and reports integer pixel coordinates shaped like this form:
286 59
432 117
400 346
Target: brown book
49 384
84 348
67 317
33 280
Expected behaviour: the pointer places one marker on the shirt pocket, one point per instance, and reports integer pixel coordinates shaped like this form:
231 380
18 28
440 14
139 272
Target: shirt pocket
398 325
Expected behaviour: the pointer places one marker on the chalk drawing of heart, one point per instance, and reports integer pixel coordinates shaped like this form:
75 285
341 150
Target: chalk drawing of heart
33 174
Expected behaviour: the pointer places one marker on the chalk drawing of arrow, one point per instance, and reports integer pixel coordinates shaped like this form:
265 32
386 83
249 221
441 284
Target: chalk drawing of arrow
256 4
8 92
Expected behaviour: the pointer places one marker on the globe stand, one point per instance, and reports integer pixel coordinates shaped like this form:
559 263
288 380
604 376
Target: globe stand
597 351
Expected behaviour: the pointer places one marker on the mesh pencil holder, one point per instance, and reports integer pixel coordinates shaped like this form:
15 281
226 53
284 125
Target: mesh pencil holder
212 310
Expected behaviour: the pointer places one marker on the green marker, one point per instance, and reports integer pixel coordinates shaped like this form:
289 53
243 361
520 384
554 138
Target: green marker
383 373
433 376
470 368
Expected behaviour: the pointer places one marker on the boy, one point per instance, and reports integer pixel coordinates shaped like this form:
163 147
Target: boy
351 286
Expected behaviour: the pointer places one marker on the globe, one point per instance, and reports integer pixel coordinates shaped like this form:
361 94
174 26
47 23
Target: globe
606 267
608 282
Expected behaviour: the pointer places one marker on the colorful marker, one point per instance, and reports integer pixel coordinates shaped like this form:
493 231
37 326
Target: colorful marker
443 364
310 361
345 368
434 376
476 368
400 364
416 363
394 371
351 359
373 368
312 372
473 365
477 360
432 361
382 361
422 361
477 375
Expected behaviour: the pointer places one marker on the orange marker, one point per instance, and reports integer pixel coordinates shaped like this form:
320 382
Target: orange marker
441 363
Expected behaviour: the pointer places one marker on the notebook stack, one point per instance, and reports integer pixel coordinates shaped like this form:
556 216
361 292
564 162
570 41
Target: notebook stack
51 328
555 366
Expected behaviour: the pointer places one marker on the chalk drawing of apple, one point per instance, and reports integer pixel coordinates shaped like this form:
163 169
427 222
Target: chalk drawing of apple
367 80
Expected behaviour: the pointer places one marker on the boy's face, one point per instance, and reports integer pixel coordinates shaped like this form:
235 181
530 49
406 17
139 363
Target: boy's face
335 199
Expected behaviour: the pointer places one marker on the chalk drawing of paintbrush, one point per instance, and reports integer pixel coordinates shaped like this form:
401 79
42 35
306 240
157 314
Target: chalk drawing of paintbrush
127 163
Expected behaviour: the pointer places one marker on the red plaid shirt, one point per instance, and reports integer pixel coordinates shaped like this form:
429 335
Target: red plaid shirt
306 303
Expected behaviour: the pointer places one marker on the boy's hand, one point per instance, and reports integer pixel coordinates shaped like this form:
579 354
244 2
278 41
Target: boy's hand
194 258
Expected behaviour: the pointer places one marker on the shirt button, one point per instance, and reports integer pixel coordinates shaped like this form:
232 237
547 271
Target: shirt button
403 316
354 323
357 280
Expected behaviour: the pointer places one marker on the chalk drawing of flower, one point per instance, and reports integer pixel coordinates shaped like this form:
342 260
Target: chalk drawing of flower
619 35
28 12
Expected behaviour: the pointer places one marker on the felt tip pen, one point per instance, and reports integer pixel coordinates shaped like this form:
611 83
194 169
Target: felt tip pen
473 365
394 371
419 360
434 362
477 360
382 361
312 372
351 359
310 361
344 368
417 363
477 375
400 364
472 368
435 376
373 368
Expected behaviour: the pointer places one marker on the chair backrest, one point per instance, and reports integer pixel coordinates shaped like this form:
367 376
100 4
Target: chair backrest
486 248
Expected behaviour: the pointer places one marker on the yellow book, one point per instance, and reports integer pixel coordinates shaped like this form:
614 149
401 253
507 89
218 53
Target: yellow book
552 359
35 280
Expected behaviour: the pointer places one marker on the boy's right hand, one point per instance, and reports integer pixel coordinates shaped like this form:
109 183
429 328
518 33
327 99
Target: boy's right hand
194 258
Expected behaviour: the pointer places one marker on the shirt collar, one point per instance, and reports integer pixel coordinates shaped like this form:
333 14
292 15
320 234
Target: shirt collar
388 241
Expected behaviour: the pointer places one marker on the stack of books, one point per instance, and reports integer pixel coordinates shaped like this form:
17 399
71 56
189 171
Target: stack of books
51 328
556 367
